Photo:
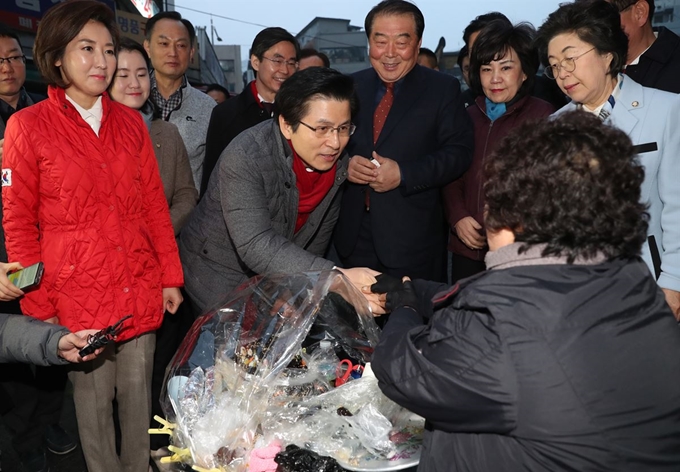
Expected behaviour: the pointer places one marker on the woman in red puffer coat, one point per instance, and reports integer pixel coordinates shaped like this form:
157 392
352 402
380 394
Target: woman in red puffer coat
82 193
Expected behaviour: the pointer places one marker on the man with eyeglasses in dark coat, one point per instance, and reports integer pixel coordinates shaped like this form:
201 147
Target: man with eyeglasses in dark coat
274 57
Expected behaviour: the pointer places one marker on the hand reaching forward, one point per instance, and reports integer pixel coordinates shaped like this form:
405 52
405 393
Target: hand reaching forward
70 344
361 278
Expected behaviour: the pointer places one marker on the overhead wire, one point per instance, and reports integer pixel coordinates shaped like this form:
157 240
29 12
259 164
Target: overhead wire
174 5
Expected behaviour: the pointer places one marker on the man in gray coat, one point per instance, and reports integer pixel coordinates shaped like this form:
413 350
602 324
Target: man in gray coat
170 43
273 200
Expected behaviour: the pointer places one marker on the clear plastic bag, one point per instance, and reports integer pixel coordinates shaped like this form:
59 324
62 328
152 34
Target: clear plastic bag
258 371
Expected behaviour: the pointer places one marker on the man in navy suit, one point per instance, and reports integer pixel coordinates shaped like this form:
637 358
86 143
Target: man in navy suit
391 218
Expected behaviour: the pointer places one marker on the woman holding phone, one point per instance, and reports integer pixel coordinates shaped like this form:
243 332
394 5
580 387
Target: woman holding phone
83 195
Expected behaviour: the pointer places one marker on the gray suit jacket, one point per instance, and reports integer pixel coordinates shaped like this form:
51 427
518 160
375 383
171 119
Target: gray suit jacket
245 223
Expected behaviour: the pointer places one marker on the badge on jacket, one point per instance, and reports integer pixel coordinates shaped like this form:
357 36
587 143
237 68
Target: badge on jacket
6 177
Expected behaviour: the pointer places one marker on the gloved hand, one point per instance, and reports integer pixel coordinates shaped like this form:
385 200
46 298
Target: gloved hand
386 283
399 294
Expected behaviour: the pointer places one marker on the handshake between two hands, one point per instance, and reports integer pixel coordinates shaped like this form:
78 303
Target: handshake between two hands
385 293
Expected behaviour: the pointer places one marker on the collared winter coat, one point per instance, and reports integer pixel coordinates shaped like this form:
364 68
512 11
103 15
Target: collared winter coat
93 210
464 196
175 170
540 368
651 118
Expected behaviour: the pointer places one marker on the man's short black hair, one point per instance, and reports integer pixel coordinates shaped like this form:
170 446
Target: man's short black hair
311 52
429 53
462 54
570 182
395 7
268 38
597 23
292 99
494 42
623 4
480 22
5 32
219 88
170 15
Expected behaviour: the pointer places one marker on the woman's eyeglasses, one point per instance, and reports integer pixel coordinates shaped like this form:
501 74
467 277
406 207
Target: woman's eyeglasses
568 64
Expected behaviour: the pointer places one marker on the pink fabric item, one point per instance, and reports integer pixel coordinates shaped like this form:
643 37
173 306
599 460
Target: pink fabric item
262 460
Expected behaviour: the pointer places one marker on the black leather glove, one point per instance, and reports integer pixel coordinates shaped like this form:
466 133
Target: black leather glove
386 283
399 294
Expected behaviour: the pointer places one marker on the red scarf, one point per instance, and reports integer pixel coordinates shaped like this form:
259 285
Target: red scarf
267 105
312 187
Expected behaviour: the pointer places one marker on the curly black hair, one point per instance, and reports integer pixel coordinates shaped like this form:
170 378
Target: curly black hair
572 183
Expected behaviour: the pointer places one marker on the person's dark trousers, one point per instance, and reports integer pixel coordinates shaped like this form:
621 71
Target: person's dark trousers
32 398
364 255
168 338
463 267
36 395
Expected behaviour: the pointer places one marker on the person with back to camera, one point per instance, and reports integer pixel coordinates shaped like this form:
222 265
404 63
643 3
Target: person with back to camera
503 66
559 356
84 196
584 50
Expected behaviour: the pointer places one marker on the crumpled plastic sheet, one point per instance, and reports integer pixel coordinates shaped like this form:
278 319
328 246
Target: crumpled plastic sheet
251 373
345 422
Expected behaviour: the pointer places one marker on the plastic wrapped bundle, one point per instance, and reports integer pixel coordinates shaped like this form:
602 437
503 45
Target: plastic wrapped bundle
261 372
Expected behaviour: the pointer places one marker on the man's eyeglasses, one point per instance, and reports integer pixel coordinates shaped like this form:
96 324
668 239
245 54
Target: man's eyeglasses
568 64
13 60
279 62
344 131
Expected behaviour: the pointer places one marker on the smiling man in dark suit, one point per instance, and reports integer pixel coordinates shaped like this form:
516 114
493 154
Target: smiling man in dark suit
413 137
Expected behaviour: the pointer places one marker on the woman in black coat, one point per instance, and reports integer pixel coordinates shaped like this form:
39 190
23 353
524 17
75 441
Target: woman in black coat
563 355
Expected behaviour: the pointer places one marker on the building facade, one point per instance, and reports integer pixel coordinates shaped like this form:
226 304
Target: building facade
229 57
345 45
23 17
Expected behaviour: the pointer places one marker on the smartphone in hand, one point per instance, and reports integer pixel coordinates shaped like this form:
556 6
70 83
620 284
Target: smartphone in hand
28 277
